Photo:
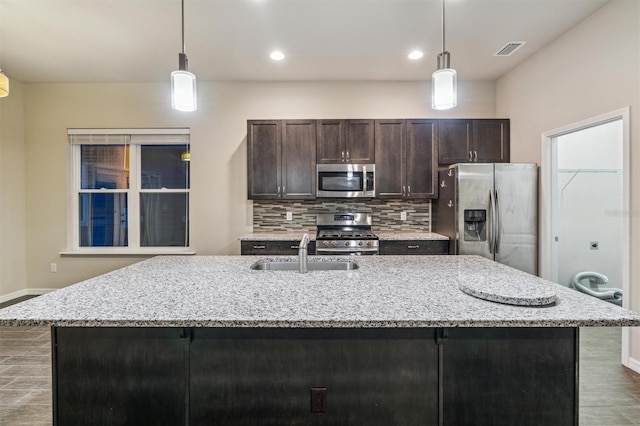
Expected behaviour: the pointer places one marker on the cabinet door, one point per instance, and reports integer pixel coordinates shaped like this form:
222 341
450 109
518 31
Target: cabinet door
390 158
454 142
491 141
265 376
422 172
331 143
510 376
360 147
298 159
118 376
263 159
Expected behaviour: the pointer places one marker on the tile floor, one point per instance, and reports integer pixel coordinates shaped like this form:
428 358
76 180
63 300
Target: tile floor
609 393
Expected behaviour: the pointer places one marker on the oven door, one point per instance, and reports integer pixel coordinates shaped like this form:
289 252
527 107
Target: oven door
345 180
333 251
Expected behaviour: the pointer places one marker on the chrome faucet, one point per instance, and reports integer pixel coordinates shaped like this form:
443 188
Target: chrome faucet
302 254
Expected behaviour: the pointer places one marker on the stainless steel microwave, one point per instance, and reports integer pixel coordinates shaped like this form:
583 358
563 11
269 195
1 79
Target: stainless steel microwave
345 180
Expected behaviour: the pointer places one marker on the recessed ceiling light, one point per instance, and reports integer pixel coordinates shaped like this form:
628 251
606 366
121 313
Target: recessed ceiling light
416 54
277 55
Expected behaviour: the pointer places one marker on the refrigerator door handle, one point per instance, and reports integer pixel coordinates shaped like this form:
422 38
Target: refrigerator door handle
497 230
491 221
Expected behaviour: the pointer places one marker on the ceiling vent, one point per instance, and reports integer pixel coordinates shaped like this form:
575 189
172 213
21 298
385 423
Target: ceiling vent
509 48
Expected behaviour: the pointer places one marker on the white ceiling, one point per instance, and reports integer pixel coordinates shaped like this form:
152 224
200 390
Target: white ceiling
139 40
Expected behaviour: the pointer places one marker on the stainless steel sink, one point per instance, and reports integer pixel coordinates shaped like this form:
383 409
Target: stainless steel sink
279 265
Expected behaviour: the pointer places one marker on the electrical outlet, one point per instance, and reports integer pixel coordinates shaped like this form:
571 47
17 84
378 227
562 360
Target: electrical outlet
318 400
54 267
403 215
289 215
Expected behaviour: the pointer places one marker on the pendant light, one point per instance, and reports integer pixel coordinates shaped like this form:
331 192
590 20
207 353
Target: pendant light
183 83
444 82
4 85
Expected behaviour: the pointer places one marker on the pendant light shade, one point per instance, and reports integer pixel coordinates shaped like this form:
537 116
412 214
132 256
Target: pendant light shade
444 82
183 83
4 85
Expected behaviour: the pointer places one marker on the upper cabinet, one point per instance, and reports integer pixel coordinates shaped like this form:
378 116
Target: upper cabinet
464 141
282 154
405 159
281 159
345 141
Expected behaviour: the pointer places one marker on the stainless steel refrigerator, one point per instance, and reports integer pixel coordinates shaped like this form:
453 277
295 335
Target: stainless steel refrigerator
491 210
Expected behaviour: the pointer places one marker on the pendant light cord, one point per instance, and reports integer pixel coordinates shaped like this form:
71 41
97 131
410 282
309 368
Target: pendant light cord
442 26
183 45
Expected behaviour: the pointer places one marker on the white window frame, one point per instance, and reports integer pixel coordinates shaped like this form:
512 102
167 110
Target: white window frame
135 138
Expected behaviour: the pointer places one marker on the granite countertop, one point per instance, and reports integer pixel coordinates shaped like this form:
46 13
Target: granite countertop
277 236
386 291
383 235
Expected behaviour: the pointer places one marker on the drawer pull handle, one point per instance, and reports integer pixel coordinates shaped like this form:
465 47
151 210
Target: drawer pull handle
259 247
295 247
413 247
443 184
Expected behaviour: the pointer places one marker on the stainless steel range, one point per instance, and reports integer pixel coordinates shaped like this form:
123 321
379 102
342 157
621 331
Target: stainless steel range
345 234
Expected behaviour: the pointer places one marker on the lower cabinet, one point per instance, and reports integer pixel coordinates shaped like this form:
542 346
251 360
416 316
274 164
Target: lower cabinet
305 376
120 376
270 247
414 247
314 377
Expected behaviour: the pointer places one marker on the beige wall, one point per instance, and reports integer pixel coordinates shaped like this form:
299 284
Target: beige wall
592 69
220 211
12 192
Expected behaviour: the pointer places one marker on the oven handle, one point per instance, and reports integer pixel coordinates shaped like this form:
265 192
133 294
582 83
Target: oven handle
341 250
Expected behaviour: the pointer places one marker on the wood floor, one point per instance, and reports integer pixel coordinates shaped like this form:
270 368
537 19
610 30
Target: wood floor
609 393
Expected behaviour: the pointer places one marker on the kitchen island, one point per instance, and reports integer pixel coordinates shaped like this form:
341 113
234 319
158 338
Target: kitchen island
207 340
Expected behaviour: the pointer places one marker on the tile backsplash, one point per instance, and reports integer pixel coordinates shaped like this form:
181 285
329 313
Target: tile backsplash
270 216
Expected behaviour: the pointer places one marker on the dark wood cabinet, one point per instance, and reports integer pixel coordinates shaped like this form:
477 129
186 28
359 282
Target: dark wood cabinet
345 141
421 154
454 141
402 247
506 375
491 141
405 159
390 138
263 159
281 159
320 376
271 247
117 376
268 377
465 141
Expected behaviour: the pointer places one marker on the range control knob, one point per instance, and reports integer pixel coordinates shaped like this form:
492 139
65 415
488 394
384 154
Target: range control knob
359 243
347 243
333 243
369 243
325 243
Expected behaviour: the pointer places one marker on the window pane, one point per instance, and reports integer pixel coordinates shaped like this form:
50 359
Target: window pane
163 167
103 220
104 166
164 220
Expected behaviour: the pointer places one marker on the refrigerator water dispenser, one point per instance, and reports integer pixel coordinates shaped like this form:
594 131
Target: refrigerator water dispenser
475 228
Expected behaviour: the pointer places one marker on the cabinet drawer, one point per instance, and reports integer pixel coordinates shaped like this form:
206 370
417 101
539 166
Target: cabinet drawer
414 247
274 247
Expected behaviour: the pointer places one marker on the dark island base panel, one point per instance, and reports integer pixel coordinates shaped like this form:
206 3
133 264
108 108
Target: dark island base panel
203 376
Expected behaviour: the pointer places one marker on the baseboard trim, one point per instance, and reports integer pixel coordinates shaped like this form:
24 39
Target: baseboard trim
25 292
634 364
